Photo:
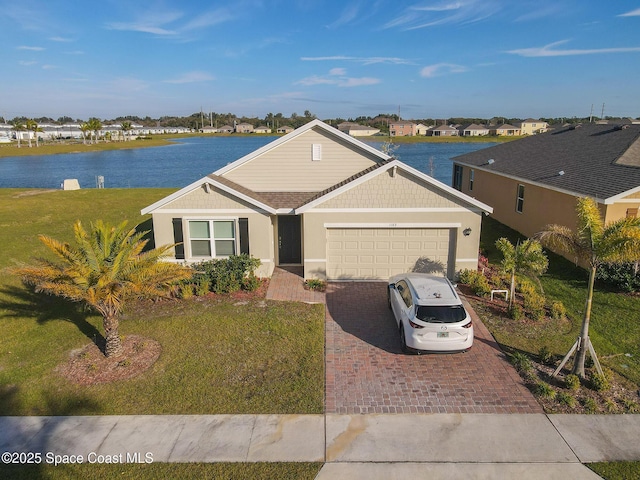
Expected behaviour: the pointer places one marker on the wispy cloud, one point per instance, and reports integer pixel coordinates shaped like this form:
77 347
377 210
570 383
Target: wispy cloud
440 69
348 14
632 13
339 78
60 39
49 67
361 60
550 50
191 77
445 13
31 49
26 63
209 19
155 23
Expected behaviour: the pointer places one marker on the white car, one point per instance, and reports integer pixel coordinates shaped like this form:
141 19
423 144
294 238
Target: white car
429 314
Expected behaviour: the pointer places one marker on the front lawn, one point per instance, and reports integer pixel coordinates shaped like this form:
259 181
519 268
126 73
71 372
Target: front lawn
219 354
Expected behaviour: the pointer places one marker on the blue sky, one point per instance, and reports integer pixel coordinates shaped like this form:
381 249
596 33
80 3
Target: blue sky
428 59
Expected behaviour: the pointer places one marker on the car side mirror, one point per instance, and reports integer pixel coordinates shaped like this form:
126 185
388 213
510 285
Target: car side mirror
392 285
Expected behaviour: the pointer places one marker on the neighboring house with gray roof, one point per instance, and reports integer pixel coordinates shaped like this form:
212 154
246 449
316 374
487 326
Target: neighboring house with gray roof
322 200
475 130
535 181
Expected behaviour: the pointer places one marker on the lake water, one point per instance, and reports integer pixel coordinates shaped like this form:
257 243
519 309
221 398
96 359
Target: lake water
186 161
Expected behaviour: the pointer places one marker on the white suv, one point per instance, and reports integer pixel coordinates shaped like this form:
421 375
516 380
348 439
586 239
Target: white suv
429 314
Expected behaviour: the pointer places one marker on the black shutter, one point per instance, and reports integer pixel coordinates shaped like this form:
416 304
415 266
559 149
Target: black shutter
178 238
243 227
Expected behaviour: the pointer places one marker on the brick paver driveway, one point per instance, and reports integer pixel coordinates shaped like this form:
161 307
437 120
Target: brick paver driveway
366 372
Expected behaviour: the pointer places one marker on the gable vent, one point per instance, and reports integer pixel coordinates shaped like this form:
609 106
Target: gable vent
316 152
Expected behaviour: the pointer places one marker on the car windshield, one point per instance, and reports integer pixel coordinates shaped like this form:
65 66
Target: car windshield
441 313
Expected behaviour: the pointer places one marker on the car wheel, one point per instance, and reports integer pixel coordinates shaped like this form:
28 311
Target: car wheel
403 340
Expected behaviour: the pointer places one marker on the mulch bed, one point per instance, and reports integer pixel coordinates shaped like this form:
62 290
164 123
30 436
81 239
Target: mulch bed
89 366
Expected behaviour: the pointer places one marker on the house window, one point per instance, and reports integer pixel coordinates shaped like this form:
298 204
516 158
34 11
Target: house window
457 177
212 238
520 198
632 213
471 180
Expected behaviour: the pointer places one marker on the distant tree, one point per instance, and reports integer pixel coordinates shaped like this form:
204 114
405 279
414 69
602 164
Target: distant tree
63 120
18 126
31 126
85 128
126 128
35 128
105 268
95 125
593 243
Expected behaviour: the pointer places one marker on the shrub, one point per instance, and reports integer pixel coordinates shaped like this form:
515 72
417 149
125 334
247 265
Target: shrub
250 283
566 399
201 285
544 390
477 281
522 363
227 275
621 276
516 312
590 405
534 304
315 284
558 311
630 406
610 405
185 289
599 383
545 356
572 382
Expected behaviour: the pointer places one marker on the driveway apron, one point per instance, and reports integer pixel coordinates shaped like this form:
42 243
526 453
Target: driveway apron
366 372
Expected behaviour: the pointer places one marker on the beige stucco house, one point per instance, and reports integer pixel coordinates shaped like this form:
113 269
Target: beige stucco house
533 127
536 181
321 199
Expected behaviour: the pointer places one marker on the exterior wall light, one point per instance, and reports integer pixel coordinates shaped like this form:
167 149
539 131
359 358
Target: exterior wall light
466 232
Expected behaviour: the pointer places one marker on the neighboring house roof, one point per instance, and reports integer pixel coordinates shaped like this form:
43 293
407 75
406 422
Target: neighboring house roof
600 161
444 128
474 126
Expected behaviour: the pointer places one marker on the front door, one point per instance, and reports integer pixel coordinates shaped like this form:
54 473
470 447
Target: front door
289 240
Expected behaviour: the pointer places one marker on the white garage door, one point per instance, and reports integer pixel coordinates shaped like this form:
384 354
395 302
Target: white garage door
378 253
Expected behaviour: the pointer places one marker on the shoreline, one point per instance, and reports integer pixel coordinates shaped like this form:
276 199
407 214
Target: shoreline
11 150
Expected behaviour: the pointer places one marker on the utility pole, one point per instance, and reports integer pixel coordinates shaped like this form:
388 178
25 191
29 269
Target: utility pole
602 115
591 114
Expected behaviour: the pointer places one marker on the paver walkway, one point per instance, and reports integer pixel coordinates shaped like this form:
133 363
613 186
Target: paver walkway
288 286
366 371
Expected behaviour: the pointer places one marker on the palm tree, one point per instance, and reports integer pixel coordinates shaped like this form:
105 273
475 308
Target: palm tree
18 127
31 125
524 258
126 127
95 125
105 268
85 127
593 244
35 128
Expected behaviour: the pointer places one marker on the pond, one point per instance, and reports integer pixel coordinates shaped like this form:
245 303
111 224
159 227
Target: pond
186 161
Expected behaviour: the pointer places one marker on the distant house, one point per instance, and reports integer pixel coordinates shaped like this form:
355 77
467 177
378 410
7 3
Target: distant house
262 129
285 129
225 129
535 181
532 127
422 129
444 131
402 129
362 131
345 126
475 130
244 128
505 130
208 129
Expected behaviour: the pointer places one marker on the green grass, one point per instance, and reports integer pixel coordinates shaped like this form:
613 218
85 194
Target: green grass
48 148
218 356
615 319
617 470
226 471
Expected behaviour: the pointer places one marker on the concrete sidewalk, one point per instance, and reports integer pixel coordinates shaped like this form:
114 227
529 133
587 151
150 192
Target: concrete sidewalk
352 446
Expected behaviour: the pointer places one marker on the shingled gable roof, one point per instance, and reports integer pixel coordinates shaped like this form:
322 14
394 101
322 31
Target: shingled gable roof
378 168
600 161
297 132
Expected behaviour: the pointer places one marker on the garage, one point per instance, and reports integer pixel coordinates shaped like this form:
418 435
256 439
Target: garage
376 253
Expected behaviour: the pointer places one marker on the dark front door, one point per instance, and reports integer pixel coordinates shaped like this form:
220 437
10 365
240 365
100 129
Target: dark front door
289 239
